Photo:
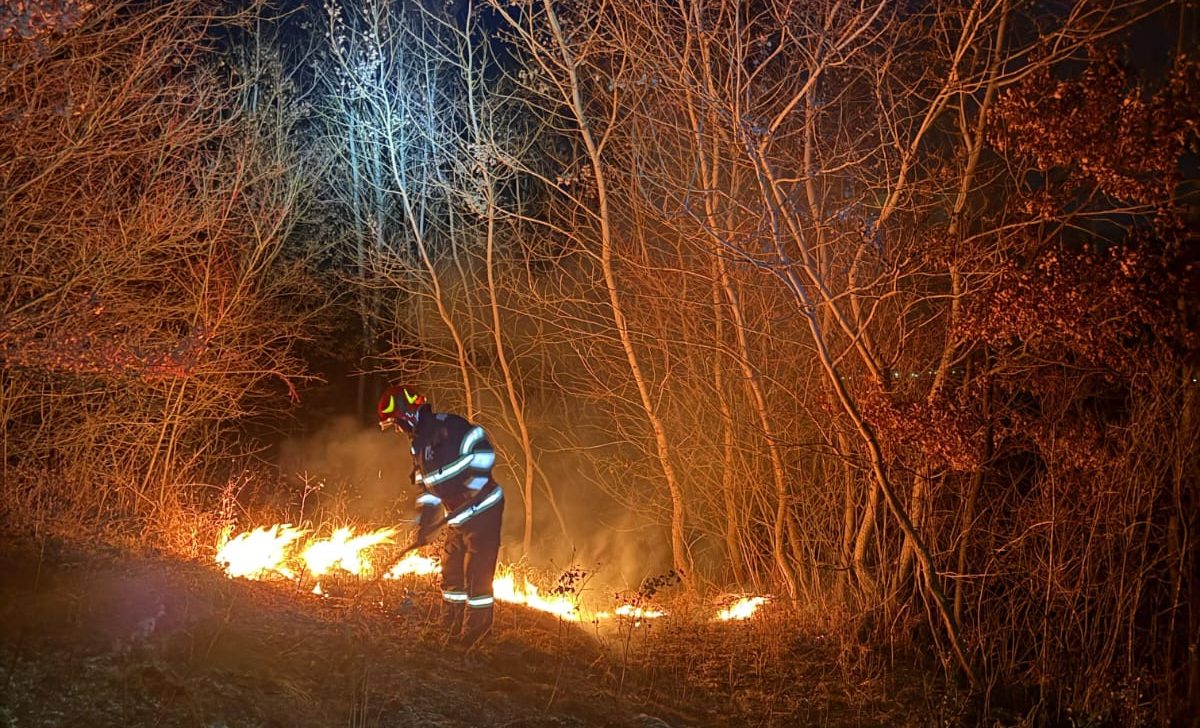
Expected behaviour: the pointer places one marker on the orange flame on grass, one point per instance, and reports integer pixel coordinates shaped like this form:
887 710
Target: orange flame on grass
414 564
743 608
260 553
271 550
344 550
632 612
505 589
274 551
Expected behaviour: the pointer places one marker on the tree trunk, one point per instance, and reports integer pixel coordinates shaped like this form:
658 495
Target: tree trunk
808 309
679 550
732 525
510 386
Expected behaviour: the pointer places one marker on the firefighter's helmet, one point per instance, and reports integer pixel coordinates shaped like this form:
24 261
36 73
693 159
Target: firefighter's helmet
399 407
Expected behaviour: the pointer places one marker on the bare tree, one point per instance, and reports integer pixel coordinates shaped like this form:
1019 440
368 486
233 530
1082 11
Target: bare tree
151 303
391 123
854 155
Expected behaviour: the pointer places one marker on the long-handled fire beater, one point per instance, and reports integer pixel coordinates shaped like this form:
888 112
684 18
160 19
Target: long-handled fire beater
430 531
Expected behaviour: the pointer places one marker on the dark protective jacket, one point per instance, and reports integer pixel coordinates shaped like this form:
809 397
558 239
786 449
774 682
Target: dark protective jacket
452 465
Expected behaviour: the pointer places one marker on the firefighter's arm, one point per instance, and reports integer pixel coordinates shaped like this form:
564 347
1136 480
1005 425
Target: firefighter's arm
474 508
430 512
477 451
472 466
428 504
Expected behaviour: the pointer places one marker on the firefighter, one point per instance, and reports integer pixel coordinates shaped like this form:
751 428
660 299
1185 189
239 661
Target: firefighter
452 468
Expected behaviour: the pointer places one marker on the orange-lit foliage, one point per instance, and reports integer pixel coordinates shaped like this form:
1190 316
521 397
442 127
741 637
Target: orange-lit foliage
1115 309
29 20
1104 126
148 299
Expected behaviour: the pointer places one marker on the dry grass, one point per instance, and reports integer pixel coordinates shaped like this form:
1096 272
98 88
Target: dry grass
107 637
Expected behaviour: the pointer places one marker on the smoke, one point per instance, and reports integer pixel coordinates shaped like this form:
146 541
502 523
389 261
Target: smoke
617 545
577 457
576 443
352 472
360 474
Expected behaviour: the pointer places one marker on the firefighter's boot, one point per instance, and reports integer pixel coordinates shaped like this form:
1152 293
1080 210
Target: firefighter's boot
454 604
479 620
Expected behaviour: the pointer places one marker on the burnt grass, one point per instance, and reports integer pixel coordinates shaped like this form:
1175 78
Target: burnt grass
93 636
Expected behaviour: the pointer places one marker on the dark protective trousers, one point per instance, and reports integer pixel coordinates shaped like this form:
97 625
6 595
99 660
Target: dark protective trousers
468 568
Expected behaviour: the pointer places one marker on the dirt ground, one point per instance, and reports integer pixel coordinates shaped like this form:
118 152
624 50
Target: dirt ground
107 638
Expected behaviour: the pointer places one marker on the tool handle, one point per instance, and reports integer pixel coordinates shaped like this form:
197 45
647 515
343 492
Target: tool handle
434 528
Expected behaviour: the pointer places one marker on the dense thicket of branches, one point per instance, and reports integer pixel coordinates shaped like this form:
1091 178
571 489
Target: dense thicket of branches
875 307
889 309
148 301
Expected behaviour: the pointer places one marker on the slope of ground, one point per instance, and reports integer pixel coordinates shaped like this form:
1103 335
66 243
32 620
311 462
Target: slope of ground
108 638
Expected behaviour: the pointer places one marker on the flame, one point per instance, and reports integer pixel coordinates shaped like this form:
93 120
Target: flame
344 550
629 610
273 550
414 564
743 608
505 589
259 553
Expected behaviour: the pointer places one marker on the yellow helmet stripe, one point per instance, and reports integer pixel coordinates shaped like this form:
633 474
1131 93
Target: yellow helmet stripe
391 405
412 398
